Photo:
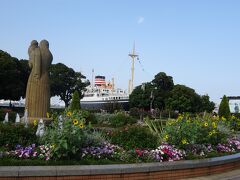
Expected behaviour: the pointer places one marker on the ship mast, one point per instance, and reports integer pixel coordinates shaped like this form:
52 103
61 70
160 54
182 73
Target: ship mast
92 78
133 55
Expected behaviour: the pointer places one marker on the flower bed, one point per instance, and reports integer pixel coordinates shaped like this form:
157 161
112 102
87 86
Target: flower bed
69 138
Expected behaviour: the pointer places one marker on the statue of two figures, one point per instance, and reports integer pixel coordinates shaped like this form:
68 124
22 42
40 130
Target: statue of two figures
38 89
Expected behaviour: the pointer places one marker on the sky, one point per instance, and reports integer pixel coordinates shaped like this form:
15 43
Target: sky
197 42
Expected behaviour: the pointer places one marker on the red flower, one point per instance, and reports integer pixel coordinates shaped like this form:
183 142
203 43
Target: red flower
139 152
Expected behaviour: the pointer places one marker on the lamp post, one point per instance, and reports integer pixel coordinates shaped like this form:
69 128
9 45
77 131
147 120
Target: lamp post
152 99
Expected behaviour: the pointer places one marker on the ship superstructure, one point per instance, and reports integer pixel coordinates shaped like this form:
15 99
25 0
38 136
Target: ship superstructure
101 93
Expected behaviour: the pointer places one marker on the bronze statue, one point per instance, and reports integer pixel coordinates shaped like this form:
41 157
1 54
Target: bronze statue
38 89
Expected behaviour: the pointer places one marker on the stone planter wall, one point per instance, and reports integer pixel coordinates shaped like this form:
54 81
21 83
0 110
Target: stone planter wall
166 170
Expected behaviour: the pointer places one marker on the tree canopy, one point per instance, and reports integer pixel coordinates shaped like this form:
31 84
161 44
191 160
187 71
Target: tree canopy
13 77
183 99
152 93
224 110
64 81
161 93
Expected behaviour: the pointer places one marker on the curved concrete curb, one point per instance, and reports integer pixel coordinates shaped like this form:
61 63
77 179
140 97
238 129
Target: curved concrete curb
83 170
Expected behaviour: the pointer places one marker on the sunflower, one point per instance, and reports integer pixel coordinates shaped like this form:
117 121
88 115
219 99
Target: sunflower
184 141
214 125
69 113
210 133
48 115
223 118
75 121
81 125
35 122
166 137
206 124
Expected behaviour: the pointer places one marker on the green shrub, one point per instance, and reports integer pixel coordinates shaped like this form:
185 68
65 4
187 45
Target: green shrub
75 104
68 140
121 119
91 118
134 137
134 112
186 131
103 118
224 110
11 135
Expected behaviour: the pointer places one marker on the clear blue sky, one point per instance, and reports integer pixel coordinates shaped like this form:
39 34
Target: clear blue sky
197 42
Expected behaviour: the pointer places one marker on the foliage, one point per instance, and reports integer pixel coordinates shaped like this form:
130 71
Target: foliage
134 137
11 115
13 77
140 97
163 84
137 155
13 134
156 127
113 106
121 119
206 104
103 118
161 93
75 104
94 137
186 130
152 93
68 139
224 110
134 112
183 99
64 81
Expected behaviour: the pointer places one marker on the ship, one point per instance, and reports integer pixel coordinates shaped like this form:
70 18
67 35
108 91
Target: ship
101 95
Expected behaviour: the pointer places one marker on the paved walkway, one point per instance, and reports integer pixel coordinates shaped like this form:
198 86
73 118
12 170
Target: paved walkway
232 175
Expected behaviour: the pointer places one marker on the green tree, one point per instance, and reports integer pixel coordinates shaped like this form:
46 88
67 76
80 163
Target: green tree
162 85
183 99
140 97
13 77
64 81
224 110
75 104
206 104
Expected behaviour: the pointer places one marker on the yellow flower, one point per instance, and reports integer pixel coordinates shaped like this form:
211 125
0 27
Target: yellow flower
210 133
206 124
166 137
48 115
184 141
81 125
75 121
69 113
223 118
214 125
213 131
35 122
180 118
52 146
